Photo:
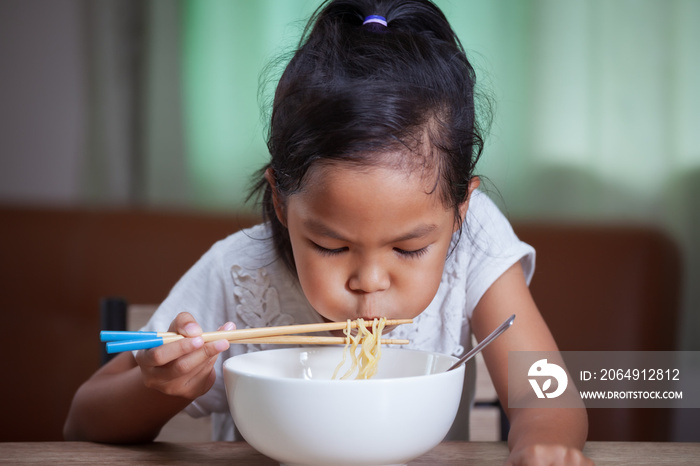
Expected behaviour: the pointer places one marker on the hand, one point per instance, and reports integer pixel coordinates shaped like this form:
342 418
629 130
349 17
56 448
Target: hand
184 368
545 455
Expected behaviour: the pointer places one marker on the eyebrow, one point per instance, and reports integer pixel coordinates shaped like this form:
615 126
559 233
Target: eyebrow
321 229
418 232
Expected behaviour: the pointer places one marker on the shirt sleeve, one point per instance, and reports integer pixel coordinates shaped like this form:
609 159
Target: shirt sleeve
202 292
492 247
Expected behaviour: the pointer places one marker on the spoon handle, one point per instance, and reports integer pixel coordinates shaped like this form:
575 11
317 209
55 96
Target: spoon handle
501 328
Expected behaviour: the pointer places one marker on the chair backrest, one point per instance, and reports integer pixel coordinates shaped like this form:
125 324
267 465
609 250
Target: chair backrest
113 316
609 288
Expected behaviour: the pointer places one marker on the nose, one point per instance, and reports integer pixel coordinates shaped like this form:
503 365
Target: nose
369 277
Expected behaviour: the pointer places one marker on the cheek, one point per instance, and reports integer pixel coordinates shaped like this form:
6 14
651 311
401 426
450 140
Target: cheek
322 283
420 287
419 281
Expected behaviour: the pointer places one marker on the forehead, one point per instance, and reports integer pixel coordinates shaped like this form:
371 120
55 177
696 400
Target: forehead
370 195
415 168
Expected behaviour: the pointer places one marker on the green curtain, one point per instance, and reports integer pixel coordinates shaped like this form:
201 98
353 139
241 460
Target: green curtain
598 96
226 46
597 107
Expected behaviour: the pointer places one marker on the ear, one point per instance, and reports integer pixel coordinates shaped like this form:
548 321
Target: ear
276 202
473 184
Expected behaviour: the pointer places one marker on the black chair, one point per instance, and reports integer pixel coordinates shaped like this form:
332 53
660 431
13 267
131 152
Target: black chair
112 317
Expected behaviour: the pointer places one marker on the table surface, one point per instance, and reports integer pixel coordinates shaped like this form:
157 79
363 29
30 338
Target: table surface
240 453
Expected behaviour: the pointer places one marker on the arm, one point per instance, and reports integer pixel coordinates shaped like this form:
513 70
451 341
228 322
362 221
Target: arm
130 399
537 436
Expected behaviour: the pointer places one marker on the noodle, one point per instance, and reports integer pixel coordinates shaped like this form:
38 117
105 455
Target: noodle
370 349
346 331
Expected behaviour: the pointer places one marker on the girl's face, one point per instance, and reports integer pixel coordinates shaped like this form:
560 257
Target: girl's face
368 242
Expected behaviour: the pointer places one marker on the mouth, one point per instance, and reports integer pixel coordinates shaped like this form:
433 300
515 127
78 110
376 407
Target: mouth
340 333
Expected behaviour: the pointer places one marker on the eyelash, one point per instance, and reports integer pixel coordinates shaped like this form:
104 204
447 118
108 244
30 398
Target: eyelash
407 254
328 252
412 254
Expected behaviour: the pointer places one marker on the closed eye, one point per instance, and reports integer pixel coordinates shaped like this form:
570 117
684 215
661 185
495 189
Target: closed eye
328 252
412 254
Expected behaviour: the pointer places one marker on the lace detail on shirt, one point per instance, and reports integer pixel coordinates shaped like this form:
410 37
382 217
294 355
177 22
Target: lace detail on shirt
258 302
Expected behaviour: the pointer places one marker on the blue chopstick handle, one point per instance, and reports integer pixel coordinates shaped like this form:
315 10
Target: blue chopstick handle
117 335
132 345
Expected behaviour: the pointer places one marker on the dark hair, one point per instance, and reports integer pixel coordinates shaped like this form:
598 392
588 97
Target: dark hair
353 91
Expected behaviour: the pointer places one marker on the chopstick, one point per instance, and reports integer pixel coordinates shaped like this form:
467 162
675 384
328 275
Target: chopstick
304 340
118 341
132 345
239 334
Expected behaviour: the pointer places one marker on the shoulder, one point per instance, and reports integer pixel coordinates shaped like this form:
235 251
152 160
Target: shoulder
249 249
484 216
487 233
206 289
486 247
253 245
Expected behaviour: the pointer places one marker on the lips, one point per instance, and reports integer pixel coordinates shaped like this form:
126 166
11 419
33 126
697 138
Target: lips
340 333
369 319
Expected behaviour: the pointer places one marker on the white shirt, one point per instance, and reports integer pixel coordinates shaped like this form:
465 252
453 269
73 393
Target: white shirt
240 280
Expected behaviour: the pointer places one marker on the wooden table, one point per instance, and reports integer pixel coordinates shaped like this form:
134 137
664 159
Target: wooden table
239 453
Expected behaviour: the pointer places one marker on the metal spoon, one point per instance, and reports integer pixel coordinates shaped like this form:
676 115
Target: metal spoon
501 328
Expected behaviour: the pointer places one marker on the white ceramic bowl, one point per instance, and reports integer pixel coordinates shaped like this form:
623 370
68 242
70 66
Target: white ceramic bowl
286 405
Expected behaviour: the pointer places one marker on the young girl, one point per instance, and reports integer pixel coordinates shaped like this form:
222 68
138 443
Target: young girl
371 210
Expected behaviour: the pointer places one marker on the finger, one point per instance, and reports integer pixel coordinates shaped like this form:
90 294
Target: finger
190 385
186 325
190 363
169 352
190 375
227 326
206 369
201 383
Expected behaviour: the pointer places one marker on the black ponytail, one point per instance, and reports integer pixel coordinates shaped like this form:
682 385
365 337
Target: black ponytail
352 92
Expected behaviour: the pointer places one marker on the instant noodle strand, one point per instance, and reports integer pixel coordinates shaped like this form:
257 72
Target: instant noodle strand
370 349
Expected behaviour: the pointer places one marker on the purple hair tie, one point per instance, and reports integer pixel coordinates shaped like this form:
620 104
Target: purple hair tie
375 19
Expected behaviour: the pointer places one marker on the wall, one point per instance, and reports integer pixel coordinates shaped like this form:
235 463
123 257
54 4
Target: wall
43 94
